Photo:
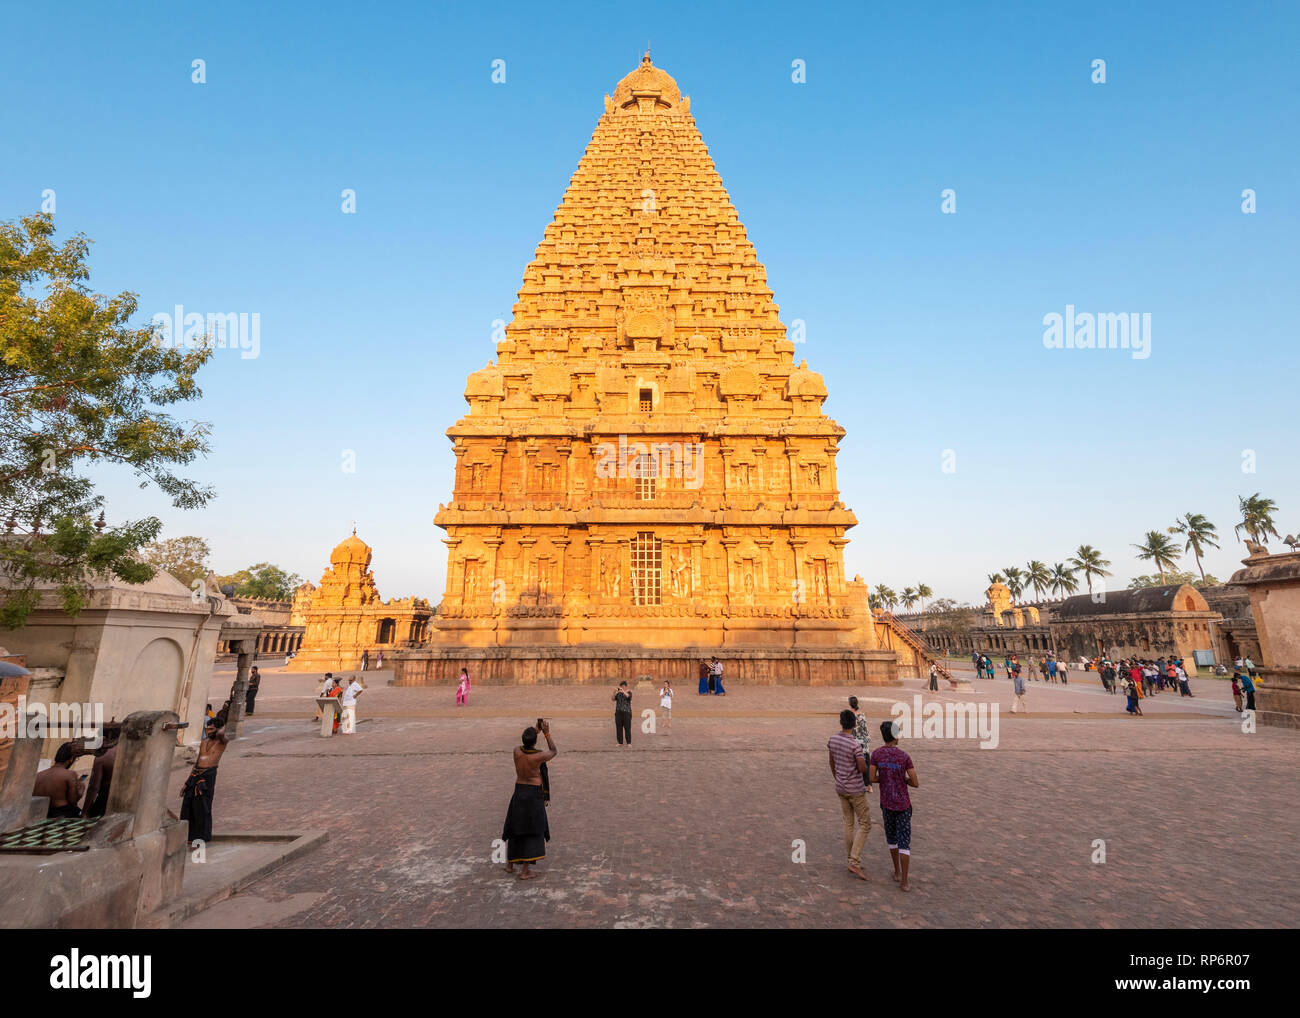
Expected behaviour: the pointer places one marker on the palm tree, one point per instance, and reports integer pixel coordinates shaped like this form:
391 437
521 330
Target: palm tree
886 597
1063 581
1200 533
1038 576
995 577
1256 518
908 597
922 591
1158 548
1015 581
1088 560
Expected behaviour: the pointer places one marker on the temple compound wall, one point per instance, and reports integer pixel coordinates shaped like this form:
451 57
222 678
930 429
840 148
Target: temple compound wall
644 476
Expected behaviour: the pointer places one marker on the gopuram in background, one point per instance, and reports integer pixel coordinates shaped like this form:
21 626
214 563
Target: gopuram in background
644 477
344 617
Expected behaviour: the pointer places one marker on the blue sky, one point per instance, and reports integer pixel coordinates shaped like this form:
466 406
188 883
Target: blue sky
1116 197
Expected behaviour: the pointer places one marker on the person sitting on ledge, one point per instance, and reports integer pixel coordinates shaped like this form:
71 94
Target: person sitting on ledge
61 784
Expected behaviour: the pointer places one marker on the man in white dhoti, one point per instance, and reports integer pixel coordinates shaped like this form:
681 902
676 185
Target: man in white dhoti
348 704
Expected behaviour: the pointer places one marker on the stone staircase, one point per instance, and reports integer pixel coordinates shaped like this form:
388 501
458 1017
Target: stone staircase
922 650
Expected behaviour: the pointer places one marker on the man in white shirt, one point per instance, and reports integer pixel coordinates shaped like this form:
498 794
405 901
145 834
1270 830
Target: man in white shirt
349 705
666 704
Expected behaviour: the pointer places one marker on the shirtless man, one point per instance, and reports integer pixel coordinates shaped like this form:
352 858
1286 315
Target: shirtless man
101 779
527 831
196 796
61 784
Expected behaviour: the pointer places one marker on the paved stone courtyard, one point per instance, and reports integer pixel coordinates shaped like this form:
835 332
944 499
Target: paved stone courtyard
697 828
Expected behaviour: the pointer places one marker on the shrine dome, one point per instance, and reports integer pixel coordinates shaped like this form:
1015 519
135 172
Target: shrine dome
349 550
648 79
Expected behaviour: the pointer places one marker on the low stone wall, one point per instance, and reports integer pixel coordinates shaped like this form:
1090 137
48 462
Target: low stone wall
551 665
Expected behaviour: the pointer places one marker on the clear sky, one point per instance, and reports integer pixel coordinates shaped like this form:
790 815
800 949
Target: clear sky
1117 197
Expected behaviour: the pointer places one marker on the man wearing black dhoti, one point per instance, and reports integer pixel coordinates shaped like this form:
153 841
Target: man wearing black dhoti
527 831
196 796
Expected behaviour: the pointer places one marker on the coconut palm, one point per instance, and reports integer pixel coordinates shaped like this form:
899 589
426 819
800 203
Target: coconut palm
1038 576
1063 581
922 591
886 597
908 597
1088 560
995 577
1256 518
1200 534
1015 581
1158 548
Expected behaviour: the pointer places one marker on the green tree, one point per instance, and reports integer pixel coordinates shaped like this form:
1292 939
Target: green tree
1173 576
80 386
923 592
1038 576
995 577
1015 581
1158 548
264 580
886 597
186 558
1256 518
1088 560
1063 581
908 597
1200 534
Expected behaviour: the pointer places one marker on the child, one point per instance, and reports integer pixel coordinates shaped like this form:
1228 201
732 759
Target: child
893 770
462 689
1236 692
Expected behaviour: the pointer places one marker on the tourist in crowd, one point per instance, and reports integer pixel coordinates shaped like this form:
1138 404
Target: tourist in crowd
526 829
849 769
715 678
365 660
1051 670
704 678
1248 687
379 661
1043 669
1236 693
334 690
622 698
348 703
666 705
860 730
893 771
934 678
1250 667
254 684
1018 694
462 689
325 689
1184 689
1063 671
60 784
1108 677
196 796
1133 690
288 656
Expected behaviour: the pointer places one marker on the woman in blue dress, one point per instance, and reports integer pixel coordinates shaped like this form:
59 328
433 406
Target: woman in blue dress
704 678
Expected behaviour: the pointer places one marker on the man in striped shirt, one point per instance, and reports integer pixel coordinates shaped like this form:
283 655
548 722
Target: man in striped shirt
848 766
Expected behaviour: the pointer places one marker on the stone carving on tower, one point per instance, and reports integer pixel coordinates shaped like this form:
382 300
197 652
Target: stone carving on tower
644 473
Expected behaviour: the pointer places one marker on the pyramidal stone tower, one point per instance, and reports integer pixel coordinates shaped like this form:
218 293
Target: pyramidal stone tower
645 478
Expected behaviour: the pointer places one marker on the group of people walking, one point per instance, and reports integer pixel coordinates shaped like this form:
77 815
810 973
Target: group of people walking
856 769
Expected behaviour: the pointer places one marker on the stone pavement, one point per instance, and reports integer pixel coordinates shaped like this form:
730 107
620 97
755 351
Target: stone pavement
698 828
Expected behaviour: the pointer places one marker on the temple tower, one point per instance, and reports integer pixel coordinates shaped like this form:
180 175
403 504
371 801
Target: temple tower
644 475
